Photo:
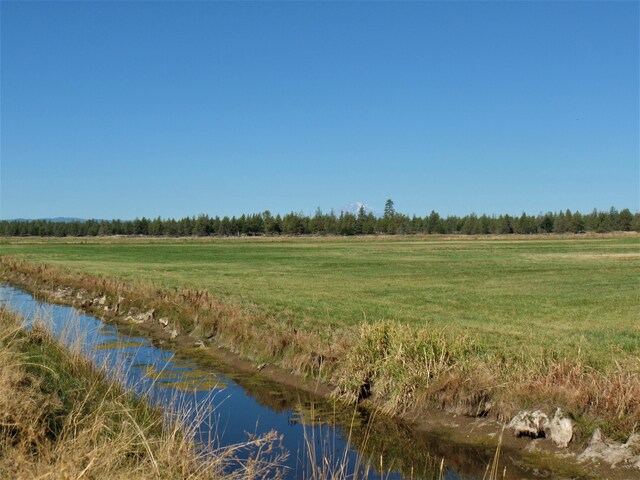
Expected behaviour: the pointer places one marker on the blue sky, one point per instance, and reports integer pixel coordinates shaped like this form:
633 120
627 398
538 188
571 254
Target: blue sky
125 109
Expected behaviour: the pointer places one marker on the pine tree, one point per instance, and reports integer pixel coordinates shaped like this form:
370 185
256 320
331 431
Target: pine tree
625 219
389 217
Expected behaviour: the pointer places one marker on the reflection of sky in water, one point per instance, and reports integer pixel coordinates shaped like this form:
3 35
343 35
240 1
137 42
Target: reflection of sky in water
226 411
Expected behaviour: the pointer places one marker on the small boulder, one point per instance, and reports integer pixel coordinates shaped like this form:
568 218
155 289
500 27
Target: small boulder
142 317
615 454
199 344
60 294
139 318
560 429
163 321
102 300
173 334
529 424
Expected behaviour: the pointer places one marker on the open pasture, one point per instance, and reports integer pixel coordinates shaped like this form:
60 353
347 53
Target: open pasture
576 296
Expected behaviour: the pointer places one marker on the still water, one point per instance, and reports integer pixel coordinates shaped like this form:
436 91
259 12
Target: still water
228 408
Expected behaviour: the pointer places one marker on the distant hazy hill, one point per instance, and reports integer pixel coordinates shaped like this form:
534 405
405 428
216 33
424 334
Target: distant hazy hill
55 219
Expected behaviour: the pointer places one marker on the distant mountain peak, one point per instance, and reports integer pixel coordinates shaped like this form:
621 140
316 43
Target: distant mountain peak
354 207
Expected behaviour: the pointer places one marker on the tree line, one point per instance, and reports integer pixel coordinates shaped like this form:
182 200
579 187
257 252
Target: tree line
321 223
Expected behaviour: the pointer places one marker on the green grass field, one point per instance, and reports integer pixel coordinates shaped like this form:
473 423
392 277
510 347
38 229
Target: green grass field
573 295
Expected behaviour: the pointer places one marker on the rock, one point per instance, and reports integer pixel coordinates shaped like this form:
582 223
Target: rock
173 334
199 344
86 303
102 300
140 318
615 454
560 429
634 442
163 321
61 293
529 424
633 445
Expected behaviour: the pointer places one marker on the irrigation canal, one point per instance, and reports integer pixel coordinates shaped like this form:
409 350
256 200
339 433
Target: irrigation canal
228 407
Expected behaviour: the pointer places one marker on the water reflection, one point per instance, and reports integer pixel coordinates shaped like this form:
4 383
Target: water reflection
231 407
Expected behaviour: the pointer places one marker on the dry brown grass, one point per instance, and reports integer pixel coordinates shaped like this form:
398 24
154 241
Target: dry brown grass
60 418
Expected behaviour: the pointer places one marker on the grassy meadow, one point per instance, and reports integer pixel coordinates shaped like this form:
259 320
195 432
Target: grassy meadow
435 320
566 294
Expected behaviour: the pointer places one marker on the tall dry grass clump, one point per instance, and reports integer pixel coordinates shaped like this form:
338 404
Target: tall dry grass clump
402 365
408 370
60 418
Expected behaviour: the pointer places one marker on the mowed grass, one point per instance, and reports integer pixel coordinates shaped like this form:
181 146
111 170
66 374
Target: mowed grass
572 296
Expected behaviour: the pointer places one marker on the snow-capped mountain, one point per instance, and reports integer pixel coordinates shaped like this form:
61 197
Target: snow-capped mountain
354 208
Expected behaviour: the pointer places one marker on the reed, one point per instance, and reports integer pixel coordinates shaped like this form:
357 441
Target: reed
60 417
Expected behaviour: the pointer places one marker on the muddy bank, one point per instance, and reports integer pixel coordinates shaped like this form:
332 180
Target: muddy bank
164 321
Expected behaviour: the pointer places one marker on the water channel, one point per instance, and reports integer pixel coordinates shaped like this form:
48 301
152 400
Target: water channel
230 407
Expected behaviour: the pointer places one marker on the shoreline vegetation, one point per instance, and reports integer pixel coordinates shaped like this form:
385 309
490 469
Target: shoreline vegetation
60 417
362 222
405 369
401 369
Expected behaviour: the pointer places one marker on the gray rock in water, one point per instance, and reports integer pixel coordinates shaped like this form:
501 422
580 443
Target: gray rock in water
529 424
615 454
560 429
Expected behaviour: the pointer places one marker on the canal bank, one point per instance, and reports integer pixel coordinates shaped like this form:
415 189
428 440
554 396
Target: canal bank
466 444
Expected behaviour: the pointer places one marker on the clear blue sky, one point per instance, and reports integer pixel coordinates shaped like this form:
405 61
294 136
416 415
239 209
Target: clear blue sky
125 109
